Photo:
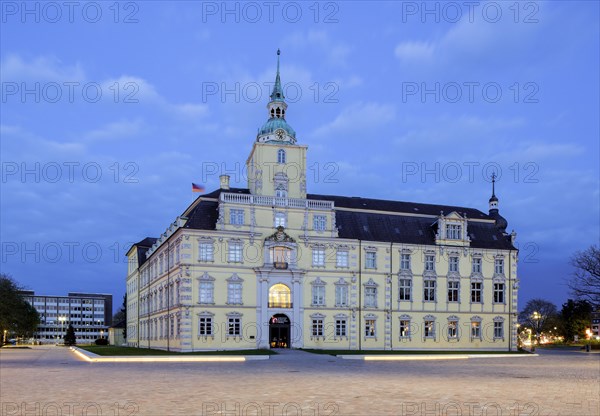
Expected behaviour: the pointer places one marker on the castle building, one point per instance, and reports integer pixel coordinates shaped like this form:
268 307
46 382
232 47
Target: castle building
272 266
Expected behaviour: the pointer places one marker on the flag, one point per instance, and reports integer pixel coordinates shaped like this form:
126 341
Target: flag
197 188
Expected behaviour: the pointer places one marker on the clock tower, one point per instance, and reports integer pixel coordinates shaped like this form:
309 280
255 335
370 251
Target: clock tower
277 164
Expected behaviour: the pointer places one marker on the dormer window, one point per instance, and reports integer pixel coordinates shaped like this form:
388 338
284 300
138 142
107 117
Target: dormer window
453 231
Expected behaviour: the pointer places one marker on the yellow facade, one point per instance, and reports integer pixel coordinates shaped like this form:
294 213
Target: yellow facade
270 266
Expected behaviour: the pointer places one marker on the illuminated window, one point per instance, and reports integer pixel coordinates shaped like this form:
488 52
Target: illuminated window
280 296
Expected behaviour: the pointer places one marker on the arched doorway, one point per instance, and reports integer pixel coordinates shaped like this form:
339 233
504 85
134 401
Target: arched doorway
279 331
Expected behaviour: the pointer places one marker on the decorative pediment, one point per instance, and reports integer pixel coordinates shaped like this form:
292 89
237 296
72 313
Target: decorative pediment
280 236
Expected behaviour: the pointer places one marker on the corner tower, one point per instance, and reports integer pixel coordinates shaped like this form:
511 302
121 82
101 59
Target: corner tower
277 164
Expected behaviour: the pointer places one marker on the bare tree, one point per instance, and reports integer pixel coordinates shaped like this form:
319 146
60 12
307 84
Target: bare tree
585 281
538 315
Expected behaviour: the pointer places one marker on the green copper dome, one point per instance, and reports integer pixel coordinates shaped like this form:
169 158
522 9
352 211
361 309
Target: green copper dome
274 124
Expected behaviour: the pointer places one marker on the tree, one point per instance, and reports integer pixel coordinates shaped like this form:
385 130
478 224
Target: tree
17 316
121 316
585 281
539 315
70 338
575 318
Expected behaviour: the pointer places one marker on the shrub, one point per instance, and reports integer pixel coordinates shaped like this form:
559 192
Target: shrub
101 341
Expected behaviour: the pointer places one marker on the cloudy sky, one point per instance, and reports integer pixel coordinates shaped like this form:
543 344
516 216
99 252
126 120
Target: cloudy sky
111 110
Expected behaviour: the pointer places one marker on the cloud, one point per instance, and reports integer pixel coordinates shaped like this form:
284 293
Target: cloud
414 51
42 68
357 117
336 52
115 130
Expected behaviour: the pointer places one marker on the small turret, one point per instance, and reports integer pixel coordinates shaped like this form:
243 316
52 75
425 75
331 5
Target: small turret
501 222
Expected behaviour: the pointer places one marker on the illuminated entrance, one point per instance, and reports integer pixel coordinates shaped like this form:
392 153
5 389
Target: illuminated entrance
279 331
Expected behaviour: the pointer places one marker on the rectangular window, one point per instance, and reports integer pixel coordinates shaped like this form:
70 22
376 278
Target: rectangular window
475 292
340 328
476 329
429 290
405 262
318 256
236 216
205 326
206 292
341 295
452 329
476 265
404 289
430 262
370 297
319 222
429 329
498 292
499 266
233 326
342 258
498 329
370 328
453 290
235 252
453 231
453 264
371 260
318 295
404 329
234 293
279 219
206 252
317 327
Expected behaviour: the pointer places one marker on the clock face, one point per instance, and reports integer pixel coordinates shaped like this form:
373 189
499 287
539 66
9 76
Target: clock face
280 134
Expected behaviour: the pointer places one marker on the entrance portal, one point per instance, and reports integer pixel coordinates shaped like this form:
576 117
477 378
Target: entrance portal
279 331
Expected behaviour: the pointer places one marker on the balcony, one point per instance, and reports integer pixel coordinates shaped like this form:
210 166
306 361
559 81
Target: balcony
281 305
280 265
276 201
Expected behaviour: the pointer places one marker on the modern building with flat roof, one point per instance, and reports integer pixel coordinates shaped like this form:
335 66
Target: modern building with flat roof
89 313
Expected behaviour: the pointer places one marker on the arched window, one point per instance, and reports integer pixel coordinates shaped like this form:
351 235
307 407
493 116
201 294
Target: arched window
281 156
278 112
280 296
272 113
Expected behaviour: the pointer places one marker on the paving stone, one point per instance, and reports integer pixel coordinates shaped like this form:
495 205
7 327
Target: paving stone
43 379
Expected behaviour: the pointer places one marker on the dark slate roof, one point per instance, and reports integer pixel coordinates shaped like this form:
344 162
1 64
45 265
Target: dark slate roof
397 206
142 247
204 216
367 226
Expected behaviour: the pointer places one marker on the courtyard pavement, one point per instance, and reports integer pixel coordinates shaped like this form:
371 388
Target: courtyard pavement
53 380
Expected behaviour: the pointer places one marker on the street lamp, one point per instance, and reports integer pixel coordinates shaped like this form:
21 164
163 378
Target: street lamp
536 317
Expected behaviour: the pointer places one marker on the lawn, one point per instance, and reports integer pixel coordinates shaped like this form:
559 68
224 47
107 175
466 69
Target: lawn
397 352
110 350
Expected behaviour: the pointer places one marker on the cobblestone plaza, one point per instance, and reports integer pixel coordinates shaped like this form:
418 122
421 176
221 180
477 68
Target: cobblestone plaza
52 380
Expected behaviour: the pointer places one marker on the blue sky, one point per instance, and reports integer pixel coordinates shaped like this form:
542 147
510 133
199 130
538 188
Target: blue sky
111 110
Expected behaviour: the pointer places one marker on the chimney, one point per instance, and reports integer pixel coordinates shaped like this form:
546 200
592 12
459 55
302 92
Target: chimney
224 181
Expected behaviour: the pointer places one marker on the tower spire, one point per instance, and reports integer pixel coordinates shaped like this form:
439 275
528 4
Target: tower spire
277 94
276 129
